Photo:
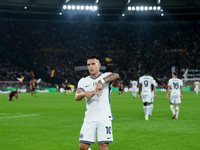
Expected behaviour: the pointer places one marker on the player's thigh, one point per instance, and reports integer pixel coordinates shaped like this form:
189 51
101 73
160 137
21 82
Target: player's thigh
88 133
146 98
104 132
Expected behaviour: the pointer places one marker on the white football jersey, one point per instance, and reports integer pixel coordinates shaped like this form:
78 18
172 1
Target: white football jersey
97 108
134 84
146 82
175 85
196 84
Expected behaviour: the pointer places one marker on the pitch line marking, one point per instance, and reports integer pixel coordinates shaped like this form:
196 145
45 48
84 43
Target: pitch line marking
20 116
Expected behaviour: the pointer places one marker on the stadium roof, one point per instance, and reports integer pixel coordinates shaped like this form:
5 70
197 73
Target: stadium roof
184 8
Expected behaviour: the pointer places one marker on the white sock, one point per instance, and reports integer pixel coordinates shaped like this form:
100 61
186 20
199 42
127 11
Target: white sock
172 109
177 111
89 148
151 109
144 107
147 111
135 94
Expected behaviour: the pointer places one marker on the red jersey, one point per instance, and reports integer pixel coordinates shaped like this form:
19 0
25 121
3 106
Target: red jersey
66 84
12 93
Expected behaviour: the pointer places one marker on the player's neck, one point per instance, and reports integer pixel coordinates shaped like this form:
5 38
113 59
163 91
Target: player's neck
95 75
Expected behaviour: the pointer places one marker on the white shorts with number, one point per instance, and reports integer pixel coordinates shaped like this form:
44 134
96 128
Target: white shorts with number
100 129
146 98
175 99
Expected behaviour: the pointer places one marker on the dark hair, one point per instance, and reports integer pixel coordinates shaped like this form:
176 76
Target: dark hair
92 57
146 72
175 73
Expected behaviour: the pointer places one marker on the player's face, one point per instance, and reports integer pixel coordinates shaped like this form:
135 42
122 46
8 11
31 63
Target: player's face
93 66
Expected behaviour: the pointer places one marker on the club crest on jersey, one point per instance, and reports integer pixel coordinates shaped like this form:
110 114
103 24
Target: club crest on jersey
81 136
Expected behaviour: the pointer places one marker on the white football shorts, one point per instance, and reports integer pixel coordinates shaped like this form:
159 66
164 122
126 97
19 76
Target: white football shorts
100 129
134 89
175 99
146 98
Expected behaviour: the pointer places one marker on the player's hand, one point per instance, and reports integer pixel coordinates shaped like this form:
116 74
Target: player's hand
167 96
154 95
139 96
181 96
89 94
98 89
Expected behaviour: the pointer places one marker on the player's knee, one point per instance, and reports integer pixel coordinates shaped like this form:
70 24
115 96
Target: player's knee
84 146
103 146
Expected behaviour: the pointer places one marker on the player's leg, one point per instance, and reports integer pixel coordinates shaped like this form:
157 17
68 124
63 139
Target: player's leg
87 135
10 98
103 146
104 134
31 93
70 91
84 146
177 110
16 97
172 101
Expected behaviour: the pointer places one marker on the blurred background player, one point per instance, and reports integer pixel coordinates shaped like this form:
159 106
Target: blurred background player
32 86
67 88
13 93
175 96
145 85
196 87
152 95
134 88
120 86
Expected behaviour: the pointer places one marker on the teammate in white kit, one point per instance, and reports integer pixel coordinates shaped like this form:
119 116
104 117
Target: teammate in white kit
134 88
96 89
196 87
145 85
175 96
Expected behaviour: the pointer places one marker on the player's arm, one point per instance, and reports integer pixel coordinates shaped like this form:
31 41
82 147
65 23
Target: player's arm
140 89
80 94
110 78
154 91
181 91
168 89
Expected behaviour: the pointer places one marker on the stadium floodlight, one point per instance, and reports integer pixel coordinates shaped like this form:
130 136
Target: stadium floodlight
141 8
129 8
60 14
69 6
137 8
98 14
150 7
95 7
78 7
162 14
73 7
25 7
158 8
146 8
158 2
96 1
64 7
123 15
161 10
133 8
82 7
86 7
91 7
154 7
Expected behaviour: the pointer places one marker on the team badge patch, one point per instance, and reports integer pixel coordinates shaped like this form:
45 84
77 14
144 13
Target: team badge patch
81 136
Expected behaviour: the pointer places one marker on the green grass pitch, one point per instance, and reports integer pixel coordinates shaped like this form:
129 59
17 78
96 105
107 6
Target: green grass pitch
52 121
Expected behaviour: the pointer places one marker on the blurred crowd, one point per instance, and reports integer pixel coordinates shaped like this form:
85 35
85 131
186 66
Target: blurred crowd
133 47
